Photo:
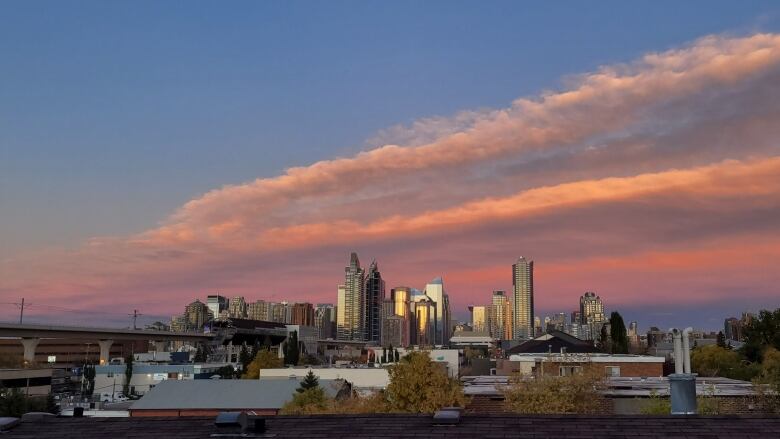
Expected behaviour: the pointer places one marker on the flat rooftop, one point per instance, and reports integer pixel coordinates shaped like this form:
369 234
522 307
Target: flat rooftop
410 426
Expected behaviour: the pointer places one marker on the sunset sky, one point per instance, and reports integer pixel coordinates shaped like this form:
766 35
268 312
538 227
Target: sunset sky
153 153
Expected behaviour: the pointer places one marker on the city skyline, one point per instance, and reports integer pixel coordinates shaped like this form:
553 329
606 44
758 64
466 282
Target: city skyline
630 171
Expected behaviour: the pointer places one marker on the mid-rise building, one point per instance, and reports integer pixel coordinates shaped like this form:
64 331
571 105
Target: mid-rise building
302 314
258 310
523 299
351 302
375 296
592 314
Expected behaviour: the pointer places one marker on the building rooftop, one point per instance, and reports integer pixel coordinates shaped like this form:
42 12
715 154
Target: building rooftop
409 426
621 386
225 394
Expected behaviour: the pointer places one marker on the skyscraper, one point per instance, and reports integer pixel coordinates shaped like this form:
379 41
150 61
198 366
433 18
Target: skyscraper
375 296
351 319
500 317
478 318
425 318
435 291
401 304
522 299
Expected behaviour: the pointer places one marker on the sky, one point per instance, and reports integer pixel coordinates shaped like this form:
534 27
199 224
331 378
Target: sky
153 153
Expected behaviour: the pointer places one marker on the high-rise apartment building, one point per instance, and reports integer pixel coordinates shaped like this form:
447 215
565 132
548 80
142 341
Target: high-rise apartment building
435 291
302 314
237 308
325 320
196 314
375 296
258 310
478 318
351 302
522 299
500 317
591 309
216 304
591 315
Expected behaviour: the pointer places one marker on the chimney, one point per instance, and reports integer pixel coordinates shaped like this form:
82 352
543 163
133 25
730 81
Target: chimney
682 384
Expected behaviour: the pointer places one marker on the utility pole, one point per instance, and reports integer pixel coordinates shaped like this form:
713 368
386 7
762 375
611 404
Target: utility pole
21 314
135 315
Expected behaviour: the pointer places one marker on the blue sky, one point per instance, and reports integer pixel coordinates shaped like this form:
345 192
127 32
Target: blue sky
113 115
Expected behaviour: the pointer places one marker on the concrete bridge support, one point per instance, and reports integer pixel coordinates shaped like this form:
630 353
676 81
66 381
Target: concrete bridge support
105 350
29 349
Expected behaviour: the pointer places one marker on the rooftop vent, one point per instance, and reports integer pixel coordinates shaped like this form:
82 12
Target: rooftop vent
248 422
447 416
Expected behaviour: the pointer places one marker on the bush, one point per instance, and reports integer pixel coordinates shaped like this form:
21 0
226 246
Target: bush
578 393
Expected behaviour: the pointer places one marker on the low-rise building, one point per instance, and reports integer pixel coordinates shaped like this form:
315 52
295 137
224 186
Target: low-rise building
110 379
362 379
210 397
562 364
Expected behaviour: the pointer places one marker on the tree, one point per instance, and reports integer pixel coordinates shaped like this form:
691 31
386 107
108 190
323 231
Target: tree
418 385
309 401
384 356
617 334
762 332
397 356
721 340
89 380
264 359
767 383
715 361
292 350
244 357
603 342
128 374
545 394
309 381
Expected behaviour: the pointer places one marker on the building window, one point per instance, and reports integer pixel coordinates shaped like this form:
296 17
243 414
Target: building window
613 371
566 371
173 375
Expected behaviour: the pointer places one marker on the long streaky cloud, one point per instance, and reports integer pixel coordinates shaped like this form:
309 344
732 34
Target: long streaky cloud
678 148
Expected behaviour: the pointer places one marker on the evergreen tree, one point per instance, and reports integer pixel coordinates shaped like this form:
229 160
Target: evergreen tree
721 340
244 357
384 355
617 334
310 381
89 380
128 374
397 356
292 352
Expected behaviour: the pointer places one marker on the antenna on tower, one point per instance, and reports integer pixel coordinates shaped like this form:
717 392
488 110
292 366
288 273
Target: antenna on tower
135 315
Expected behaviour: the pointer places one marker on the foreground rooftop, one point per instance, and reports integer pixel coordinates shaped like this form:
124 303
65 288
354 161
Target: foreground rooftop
403 426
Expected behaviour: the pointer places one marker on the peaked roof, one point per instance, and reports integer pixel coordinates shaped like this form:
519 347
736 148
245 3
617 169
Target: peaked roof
553 342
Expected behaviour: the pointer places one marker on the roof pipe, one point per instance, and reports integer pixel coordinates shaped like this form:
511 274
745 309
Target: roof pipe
678 361
686 344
